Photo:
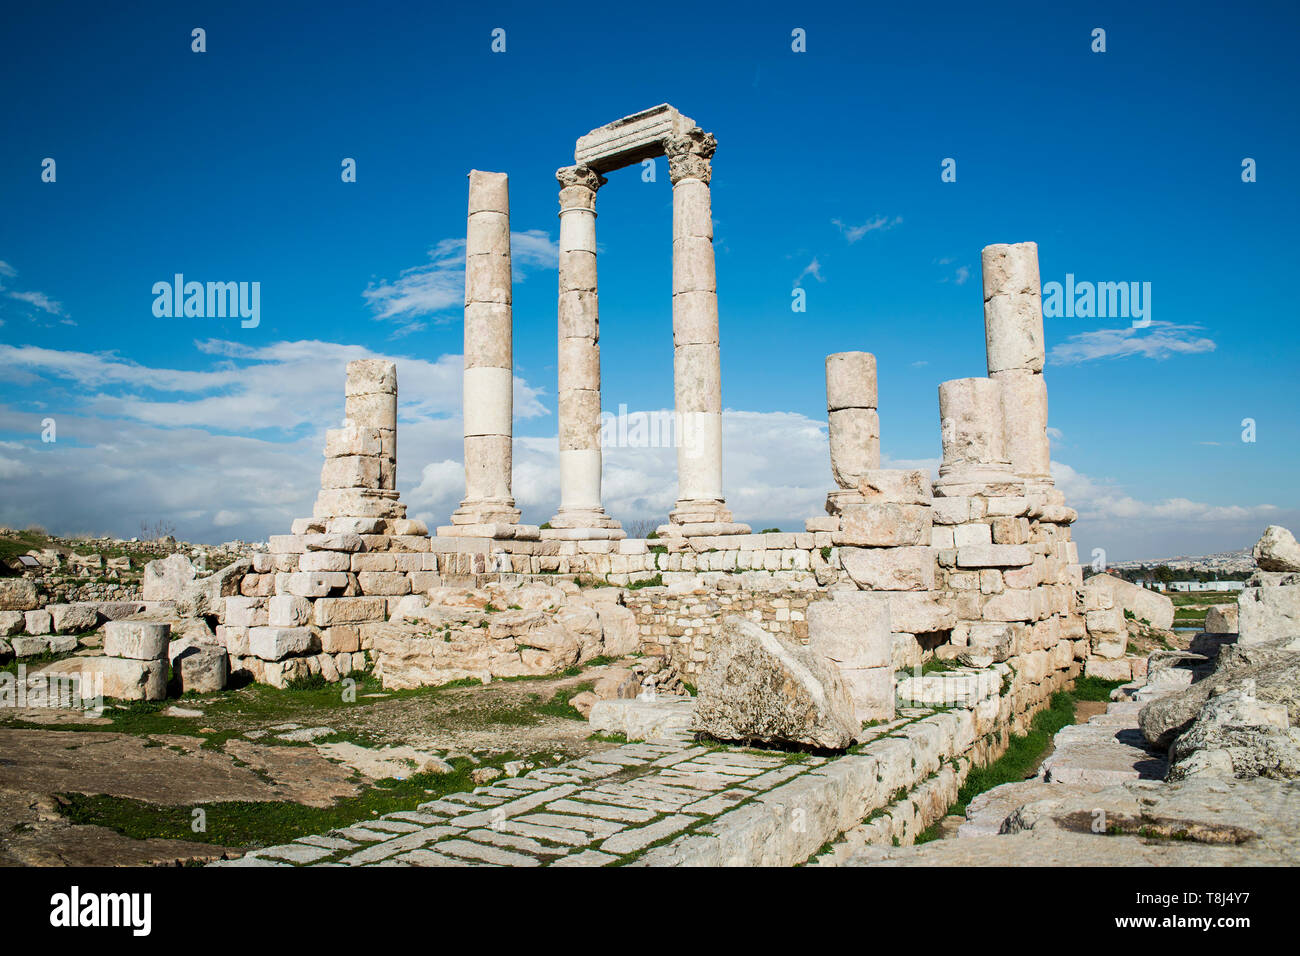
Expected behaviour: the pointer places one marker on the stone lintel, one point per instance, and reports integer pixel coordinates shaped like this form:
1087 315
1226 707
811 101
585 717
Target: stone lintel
631 139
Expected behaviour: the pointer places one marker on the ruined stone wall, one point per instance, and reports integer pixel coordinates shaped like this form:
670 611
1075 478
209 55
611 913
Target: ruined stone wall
682 624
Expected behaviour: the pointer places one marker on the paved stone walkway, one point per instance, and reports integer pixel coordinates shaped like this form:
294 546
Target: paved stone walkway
605 809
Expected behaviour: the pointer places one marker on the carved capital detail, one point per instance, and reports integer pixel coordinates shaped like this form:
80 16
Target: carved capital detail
689 155
583 176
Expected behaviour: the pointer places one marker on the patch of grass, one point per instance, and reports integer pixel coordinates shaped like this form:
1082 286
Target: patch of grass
558 705
826 553
770 531
247 824
657 581
1094 688
608 738
1023 751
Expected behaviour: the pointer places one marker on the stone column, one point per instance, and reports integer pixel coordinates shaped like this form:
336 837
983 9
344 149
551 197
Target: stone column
581 514
697 374
488 509
359 478
973 437
1013 332
852 419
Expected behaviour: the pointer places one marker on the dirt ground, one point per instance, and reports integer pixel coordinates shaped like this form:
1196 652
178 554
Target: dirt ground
230 747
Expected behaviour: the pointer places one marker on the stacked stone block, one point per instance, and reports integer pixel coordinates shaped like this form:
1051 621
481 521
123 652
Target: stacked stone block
1013 331
358 481
134 666
852 631
879 519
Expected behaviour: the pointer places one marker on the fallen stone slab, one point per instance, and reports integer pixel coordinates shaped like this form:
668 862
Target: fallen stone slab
756 688
643 719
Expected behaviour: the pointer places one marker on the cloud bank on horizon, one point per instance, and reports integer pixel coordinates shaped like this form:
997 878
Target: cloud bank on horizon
234 451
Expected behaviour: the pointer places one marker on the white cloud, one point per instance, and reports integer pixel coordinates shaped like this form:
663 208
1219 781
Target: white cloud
813 269
439 285
40 300
1159 340
237 447
854 233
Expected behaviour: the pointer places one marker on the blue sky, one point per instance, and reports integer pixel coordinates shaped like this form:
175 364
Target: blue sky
1122 166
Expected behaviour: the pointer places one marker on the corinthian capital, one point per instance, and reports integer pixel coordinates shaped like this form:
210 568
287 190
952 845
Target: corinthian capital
583 176
689 155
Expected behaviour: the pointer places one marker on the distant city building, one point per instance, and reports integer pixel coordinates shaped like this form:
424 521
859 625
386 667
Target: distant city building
1197 585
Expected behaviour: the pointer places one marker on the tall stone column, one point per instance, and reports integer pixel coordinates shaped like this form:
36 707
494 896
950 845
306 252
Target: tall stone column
1013 332
853 423
581 514
697 374
488 509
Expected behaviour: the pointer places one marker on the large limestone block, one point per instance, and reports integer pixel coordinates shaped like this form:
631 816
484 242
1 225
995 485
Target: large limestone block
373 410
18 594
850 380
11 622
971 421
915 612
1009 268
619 631
1277 550
854 435
165 579
488 335
137 640
1013 332
694 269
756 688
872 690
1268 613
74 618
1144 605
695 318
1024 412
851 629
354 471
206 595
890 569
883 524
277 643
348 610
488 192
993 555
128 679
38 622
352 439
203 670
898 485
370 376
